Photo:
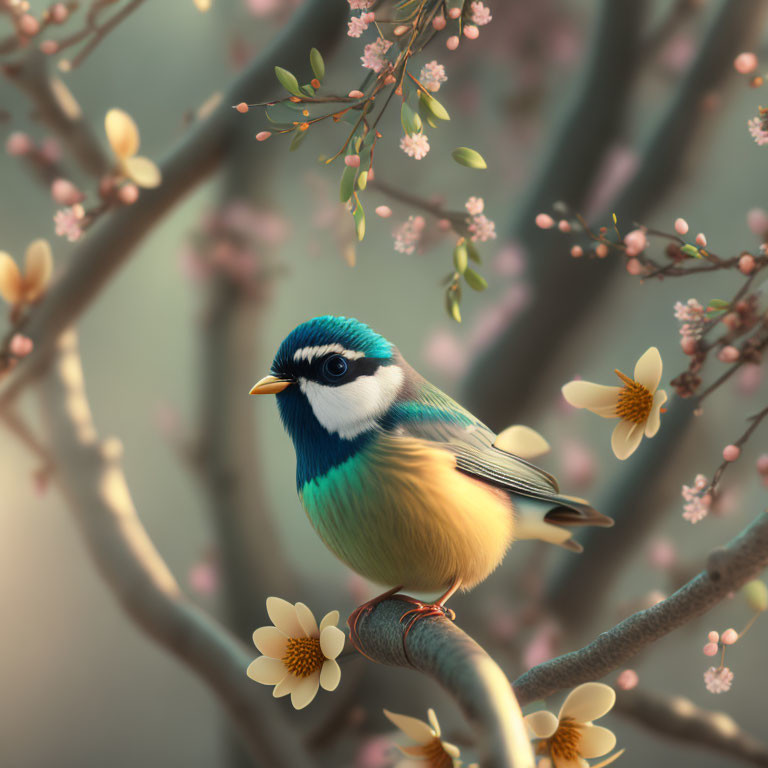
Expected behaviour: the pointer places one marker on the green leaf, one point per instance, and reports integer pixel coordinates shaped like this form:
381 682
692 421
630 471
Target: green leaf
298 137
452 306
317 63
359 216
308 90
288 81
718 304
410 119
362 179
460 257
347 183
690 250
474 280
468 157
433 106
474 254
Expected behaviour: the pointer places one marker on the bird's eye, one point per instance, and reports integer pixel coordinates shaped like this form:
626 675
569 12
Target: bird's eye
335 366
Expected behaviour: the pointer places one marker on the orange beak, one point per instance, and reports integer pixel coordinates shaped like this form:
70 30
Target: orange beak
270 385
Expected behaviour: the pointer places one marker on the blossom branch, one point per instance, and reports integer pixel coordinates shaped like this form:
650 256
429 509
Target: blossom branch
681 719
727 569
91 476
438 648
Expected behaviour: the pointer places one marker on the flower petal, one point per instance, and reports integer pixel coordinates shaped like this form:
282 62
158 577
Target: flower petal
608 760
588 702
122 133
38 267
521 441
10 279
648 369
283 615
433 722
307 620
596 741
598 398
451 749
330 675
331 619
142 171
332 641
285 686
564 762
270 641
414 729
625 439
305 690
541 724
266 671
654 417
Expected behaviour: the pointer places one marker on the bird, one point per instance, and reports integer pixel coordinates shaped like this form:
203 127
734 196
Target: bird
401 483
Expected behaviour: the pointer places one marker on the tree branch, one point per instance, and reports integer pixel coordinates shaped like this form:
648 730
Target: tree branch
727 569
681 719
438 648
91 476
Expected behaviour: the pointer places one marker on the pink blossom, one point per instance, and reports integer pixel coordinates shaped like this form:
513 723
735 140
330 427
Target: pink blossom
730 636
757 221
755 126
731 452
374 55
681 226
360 5
471 32
415 145
384 211
745 63
474 205
747 264
713 636
481 15
698 502
627 679
433 75
728 354
635 241
19 144
452 43
69 222
718 680
577 251
544 221
20 345
65 192
357 25
482 229
710 649
408 234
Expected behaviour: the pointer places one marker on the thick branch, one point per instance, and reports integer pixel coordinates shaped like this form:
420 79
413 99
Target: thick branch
90 473
726 571
105 249
681 719
440 649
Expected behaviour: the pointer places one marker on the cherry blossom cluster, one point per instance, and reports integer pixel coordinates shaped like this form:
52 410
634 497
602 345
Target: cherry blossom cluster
698 499
746 63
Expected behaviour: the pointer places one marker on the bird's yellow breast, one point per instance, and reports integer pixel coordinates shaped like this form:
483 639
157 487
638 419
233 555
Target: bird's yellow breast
400 513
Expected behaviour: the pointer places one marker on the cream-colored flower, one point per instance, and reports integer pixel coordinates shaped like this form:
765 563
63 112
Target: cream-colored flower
430 751
123 137
570 737
21 288
637 404
299 656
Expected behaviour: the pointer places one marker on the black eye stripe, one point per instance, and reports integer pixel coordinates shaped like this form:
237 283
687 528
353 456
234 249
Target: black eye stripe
362 366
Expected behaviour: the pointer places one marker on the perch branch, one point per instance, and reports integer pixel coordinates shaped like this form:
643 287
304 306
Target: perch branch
727 569
91 476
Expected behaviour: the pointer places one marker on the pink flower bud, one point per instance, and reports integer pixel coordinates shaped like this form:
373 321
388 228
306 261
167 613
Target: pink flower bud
49 47
747 264
20 345
731 321
29 26
454 13
564 225
452 43
730 636
701 240
601 251
634 267
128 194
635 241
728 354
745 63
444 225
577 251
18 144
50 150
370 17
681 226
384 211
439 23
389 79
352 161
355 94
59 13
544 221
688 345
401 29
731 452
710 649
263 135
471 32
627 680
242 108
65 192
762 464
713 637
757 221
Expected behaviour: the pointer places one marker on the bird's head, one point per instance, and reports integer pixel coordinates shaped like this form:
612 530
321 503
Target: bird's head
333 376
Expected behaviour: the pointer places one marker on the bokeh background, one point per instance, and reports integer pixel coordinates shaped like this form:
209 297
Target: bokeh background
81 686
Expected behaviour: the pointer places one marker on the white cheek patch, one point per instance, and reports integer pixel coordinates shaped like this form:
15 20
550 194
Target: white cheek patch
351 409
310 353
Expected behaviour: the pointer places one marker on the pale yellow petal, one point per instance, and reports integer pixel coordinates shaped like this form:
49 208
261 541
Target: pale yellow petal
648 369
609 760
203 5
541 724
414 729
588 702
305 690
596 741
522 441
283 615
330 675
285 686
451 749
38 268
142 171
598 398
433 721
332 641
625 439
307 620
10 279
270 641
654 417
564 762
331 619
266 671
122 133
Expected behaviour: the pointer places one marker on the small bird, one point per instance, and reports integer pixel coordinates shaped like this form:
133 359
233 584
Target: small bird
400 482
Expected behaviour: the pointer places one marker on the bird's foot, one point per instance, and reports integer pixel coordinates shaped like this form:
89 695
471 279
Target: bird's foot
423 611
364 610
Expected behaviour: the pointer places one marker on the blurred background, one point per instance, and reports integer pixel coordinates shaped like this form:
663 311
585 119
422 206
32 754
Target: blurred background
81 686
